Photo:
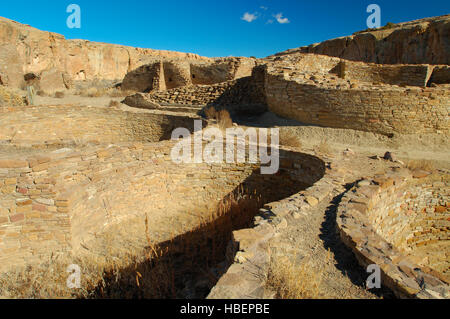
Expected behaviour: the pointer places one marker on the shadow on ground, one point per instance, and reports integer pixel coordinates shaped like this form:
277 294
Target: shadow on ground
346 261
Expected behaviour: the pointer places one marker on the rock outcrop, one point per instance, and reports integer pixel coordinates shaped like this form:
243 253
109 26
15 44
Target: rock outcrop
25 49
425 41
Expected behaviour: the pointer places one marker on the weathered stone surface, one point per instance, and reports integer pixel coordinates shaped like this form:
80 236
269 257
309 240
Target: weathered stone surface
312 200
52 81
246 238
415 42
26 49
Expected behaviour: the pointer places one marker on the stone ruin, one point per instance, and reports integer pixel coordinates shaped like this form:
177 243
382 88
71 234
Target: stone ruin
68 173
400 222
329 92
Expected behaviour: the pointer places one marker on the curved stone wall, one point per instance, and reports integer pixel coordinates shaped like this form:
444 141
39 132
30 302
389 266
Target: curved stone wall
74 125
56 203
334 102
249 249
400 222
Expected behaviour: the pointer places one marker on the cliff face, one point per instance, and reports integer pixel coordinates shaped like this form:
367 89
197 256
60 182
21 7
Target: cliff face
425 41
25 49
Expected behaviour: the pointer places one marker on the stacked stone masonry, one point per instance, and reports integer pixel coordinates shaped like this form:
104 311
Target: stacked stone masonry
54 201
330 92
330 99
400 222
69 125
169 74
242 95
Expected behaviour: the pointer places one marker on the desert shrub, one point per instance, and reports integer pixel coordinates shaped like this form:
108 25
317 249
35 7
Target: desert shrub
10 98
89 92
224 119
425 165
389 25
323 148
292 281
210 113
290 139
93 92
59 95
114 103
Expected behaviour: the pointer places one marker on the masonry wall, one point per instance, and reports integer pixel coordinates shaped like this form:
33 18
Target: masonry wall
63 125
176 74
54 203
170 74
242 95
399 221
145 78
170 193
32 226
382 109
401 74
414 218
441 75
412 75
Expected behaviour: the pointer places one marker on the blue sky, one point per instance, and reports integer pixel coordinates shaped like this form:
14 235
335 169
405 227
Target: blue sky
213 27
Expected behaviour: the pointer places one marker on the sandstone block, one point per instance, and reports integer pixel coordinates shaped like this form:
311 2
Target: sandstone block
312 200
13 164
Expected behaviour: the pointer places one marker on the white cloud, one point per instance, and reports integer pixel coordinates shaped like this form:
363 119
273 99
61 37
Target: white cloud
270 21
264 8
280 18
249 17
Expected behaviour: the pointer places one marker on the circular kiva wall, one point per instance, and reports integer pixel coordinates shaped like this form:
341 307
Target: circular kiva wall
75 125
63 200
401 222
335 102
